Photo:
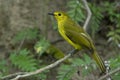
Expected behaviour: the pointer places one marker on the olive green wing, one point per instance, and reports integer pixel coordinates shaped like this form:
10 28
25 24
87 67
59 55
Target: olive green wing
79 38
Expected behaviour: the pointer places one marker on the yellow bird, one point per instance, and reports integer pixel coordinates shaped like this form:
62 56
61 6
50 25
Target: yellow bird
77 37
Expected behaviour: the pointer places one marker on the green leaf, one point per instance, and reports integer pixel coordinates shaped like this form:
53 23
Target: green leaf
115 62
76 10
23 60
72 2
88 60
66 72
41 46
26 33
4 70
111 33
78 62
116 76
118 31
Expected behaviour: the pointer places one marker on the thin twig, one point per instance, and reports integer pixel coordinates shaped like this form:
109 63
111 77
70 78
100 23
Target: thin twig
110 73
21 43
88 15
42 69
13 75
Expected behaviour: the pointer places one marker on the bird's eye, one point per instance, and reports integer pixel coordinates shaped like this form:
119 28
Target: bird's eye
59 14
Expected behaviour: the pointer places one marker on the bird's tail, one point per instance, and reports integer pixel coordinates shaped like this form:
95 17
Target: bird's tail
99 61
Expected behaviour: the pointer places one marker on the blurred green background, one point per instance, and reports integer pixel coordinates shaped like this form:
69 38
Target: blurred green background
29 38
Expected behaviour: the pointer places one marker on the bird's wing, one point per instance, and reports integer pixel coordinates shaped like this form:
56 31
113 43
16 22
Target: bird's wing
79 38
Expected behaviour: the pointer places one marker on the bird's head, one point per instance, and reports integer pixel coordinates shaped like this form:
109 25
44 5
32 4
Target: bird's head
60 16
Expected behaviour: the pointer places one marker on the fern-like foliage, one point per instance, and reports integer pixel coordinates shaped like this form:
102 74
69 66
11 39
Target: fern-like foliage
67 71
27 33
96 18
114 36
26 62
41 46
76 11
114 17
114 64
110 11
23 60
4 69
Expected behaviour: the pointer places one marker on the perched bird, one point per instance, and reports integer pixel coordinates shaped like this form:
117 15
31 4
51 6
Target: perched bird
75 35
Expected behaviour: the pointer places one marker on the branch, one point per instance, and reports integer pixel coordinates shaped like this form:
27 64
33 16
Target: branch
110 73
12 75
88 16
42 69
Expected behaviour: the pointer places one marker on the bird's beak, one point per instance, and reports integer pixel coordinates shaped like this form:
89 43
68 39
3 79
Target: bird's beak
51 14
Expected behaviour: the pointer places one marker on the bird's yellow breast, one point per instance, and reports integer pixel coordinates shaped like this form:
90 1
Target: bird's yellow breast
63 33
